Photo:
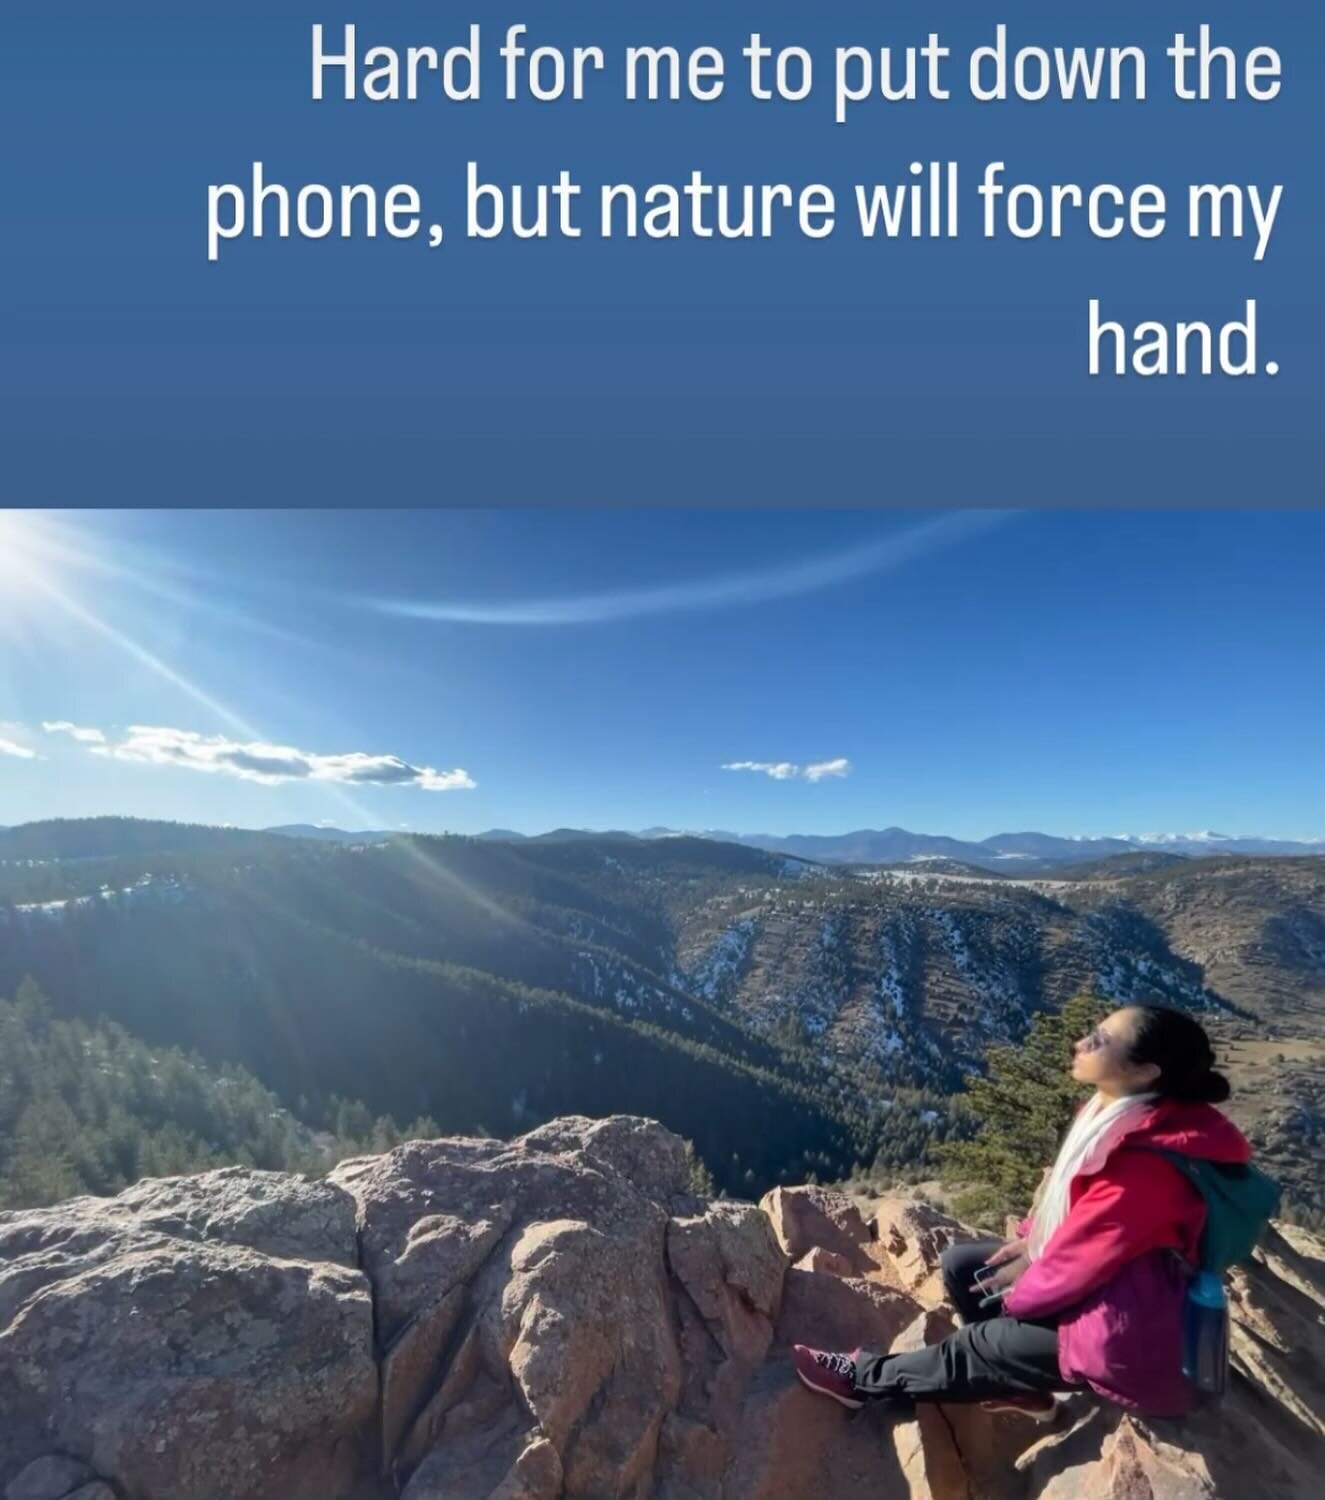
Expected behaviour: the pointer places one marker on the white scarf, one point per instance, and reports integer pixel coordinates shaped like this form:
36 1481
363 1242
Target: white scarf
1094 1133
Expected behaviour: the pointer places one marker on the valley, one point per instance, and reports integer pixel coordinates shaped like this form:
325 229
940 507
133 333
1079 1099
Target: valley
788 1017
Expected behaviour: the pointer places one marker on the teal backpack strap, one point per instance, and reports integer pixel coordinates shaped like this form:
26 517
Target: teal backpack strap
1240 1200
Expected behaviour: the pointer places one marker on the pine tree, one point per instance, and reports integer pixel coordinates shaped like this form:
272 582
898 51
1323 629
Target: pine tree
1021 1106
701 1179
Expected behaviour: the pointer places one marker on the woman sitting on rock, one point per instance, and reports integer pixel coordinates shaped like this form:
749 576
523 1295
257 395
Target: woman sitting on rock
1091 1293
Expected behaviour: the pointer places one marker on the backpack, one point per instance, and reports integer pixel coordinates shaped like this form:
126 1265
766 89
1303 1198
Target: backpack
1239 1201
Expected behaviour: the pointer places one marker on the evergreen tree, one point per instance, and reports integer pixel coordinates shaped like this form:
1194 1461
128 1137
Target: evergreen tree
701 1179
1020 1108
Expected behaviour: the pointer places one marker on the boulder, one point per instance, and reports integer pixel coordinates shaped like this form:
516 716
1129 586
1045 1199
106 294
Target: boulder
810 1219
793 1445
913 1236
829 1261
51 1477
528 1282
835 1312
192 1336
1278 1327
730 1268
558 1317
1104 1453
953 1452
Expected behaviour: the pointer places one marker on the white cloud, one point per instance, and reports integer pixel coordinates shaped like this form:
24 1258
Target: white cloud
822 768
272 765
786 770
779 770
8 747
74 731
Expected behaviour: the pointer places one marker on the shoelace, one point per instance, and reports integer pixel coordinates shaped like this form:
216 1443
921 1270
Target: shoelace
836 1364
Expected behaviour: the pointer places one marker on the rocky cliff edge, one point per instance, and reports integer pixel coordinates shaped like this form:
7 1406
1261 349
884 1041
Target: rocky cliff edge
558 1316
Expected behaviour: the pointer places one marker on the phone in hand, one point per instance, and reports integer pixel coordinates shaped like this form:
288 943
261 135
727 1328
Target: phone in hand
982 1281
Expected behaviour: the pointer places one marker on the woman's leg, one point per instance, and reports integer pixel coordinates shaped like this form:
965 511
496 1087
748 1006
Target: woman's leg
958 1265
996 1357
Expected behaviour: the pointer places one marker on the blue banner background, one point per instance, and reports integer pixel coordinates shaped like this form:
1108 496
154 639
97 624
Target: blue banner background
788 371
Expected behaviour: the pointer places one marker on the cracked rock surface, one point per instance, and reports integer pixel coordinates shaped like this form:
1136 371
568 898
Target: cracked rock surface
557 1317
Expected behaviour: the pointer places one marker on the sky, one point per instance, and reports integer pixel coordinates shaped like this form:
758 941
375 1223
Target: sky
133 371
775 671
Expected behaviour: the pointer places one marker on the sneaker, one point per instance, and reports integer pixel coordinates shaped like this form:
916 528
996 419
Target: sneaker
828 1374
1039 1408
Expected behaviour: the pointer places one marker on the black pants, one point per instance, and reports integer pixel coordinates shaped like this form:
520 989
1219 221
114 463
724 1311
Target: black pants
992 1355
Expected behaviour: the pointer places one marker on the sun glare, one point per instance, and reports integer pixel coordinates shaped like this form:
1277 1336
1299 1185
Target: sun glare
22 556
35 542
39 557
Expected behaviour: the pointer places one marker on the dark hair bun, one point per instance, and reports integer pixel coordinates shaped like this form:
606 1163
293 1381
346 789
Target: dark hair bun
1177 1045
1209 1088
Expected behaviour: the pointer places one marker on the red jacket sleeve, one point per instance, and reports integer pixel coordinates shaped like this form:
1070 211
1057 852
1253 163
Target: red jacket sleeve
1138 1202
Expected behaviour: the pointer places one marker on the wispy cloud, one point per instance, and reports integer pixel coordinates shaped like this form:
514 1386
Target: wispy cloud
272 765
726 592
825 768
74 731
779 770
787 770
8 747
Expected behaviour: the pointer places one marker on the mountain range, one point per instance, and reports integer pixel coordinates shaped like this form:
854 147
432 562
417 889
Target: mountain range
788 1016
1018 853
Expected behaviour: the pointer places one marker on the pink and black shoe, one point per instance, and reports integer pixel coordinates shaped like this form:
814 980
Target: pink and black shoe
828 1374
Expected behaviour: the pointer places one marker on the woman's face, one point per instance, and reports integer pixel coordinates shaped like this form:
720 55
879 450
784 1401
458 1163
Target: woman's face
1103 1058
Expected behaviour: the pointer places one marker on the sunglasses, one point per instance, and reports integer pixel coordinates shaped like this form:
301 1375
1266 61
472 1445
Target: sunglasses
1095 1039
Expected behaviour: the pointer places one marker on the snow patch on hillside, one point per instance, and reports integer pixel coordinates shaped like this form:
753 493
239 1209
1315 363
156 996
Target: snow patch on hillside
146 886
896 956
712 973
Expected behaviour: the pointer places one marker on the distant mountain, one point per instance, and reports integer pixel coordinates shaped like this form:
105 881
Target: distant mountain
326 835
1026 853
868 847
579 835
1005 852
1048 846
1223 843
786 1015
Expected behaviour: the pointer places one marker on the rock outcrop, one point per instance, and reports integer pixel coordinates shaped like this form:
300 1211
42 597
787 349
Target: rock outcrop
194 1337
558 1316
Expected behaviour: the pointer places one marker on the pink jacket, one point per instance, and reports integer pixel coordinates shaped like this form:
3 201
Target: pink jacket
1109 1275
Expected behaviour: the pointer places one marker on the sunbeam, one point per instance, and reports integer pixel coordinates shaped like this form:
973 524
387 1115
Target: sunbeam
30 556
144 657
33 547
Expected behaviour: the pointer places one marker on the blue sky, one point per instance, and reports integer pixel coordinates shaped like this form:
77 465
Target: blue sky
977 672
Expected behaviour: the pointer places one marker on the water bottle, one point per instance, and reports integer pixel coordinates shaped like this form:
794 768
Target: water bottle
1205 1335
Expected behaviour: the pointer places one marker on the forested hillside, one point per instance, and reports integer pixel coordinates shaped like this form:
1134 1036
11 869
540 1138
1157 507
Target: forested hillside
441 977
90 1109
789 1019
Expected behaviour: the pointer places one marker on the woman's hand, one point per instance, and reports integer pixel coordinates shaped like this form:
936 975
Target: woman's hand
1008 1250
1008 1275
1012 1258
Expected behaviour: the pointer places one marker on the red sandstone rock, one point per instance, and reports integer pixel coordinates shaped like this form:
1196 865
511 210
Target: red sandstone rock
557 1318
